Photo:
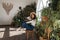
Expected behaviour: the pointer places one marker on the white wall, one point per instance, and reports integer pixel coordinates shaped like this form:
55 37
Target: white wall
6 19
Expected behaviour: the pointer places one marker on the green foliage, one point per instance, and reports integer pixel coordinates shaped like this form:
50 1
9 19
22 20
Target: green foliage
54 5
45 11
28 9
16 21
53 14
55 34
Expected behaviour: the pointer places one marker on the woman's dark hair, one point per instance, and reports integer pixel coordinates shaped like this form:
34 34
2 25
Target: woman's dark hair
34 16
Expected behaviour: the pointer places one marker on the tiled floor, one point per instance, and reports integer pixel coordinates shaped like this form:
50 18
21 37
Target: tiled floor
10 33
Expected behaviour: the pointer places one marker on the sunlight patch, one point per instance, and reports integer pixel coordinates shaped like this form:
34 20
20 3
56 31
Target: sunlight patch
1 34
2 29
12 28
13 33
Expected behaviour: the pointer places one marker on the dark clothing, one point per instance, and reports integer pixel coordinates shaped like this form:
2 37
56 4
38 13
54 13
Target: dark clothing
27 26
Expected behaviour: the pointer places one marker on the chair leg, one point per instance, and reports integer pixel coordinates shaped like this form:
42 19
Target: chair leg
27 35
32 35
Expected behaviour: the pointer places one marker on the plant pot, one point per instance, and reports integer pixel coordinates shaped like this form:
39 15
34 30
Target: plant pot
44 18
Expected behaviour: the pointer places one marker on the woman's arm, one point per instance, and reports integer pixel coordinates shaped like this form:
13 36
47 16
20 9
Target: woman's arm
29 22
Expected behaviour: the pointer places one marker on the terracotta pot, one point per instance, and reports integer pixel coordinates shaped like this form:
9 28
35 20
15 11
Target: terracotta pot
44 18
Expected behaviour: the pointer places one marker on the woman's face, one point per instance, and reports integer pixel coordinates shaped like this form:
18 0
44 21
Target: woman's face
32 15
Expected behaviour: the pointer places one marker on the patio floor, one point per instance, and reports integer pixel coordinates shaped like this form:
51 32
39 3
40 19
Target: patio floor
10 33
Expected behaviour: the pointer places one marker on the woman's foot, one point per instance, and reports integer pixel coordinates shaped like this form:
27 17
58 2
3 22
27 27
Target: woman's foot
18 29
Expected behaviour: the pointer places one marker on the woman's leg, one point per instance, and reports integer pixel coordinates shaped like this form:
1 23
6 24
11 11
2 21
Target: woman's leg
27 26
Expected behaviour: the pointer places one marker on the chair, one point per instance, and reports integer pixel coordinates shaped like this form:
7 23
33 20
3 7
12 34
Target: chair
29 33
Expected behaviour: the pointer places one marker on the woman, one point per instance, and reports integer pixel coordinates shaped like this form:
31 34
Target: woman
31 23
